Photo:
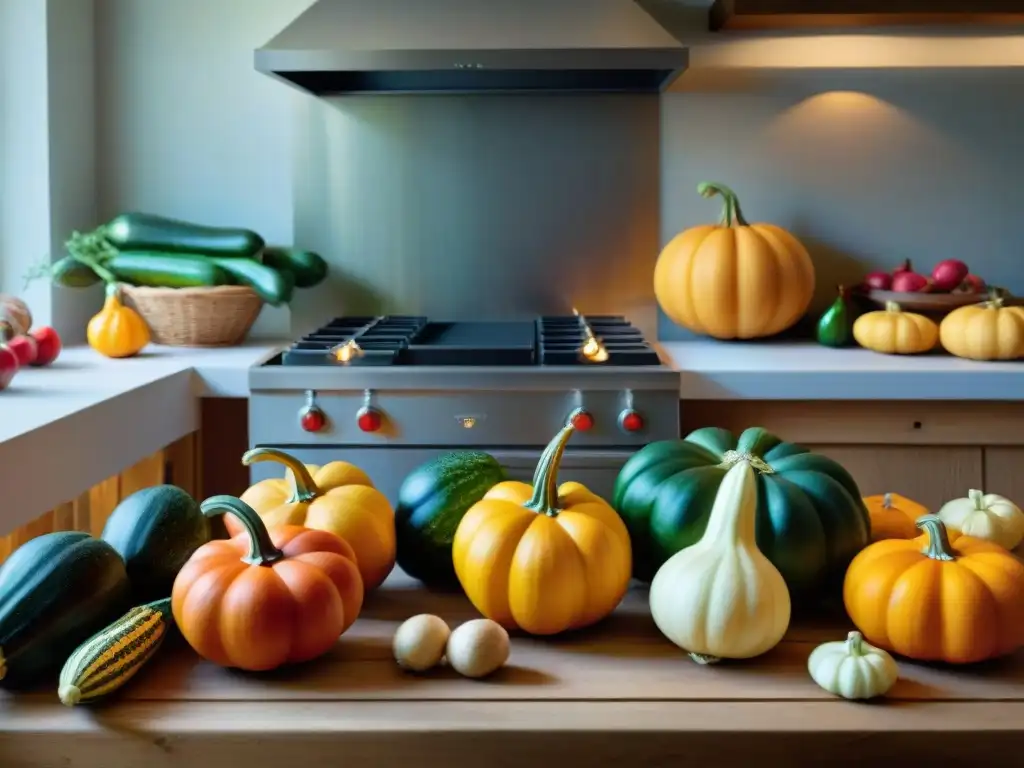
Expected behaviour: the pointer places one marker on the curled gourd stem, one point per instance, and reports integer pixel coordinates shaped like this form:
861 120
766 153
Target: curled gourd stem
978 499
304 488
731 458
731 213
855 644
938 547
261 549
544 500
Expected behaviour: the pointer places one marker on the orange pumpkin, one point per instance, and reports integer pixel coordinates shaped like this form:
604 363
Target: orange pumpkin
337 497
938 597
264 599
893 516
734 280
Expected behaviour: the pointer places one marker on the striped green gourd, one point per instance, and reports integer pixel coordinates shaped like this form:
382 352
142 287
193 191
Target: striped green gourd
111 657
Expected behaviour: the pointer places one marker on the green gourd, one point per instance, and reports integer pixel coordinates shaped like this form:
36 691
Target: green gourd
835 327
810 521
431 503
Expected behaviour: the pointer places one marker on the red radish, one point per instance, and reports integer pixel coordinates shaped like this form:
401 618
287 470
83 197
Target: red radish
910 282
948 274
24 348
906 266
972 284
880 281
48 345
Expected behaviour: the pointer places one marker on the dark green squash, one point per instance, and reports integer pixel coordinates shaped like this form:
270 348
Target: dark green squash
56 591
156 530
811 520
431 503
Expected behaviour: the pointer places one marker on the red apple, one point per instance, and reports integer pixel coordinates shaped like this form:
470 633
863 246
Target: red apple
8 366
910 282
880 281
972 284
24 348
948 274
48 345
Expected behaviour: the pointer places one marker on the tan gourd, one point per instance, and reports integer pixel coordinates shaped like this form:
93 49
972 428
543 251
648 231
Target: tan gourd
895 332
988 331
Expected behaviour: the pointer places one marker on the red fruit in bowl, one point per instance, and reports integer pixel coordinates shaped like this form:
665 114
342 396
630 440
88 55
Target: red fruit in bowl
948 274
972 284
880 281
24 348
8 366
910 282
47 344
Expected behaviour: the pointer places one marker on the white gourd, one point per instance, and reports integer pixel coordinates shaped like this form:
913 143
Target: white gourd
852 668
985 516
419 643
721 598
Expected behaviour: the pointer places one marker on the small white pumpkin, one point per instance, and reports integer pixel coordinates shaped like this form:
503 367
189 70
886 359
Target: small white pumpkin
721 598
985 516
419 643
852 668
478 648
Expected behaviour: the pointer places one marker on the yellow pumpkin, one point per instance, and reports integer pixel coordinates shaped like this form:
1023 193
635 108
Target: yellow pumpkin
893 516
895 332
987 331
734 280
117 330
541 558
337 497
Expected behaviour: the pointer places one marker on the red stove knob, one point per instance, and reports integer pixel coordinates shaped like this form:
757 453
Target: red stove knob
582 421
631 421
312 419
369 420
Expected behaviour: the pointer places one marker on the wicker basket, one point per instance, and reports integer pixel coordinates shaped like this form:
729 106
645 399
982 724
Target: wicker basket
195 317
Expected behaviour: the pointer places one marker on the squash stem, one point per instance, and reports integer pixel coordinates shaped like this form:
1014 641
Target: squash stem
731 458
704 659
938 547
978 499
544 500
304 488
855 644
732 216
892 306
261 549
887 501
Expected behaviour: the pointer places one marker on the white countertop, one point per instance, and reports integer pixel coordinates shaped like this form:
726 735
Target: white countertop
86 418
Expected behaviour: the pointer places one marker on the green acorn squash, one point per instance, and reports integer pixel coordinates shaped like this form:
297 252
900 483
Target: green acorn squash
431 503
811 520
56 591
156 530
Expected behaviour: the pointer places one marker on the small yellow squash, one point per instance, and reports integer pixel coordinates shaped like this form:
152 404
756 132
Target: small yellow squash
985 516
117 330
987 331
895 332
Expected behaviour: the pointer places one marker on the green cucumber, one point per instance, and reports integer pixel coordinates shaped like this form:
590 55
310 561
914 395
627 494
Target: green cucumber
273 286
148 232
167 270
308 268
71 273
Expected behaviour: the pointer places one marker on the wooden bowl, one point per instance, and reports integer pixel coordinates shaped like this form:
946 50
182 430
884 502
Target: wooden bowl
931 303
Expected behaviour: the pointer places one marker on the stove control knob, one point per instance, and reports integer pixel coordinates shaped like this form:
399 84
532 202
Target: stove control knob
582 421
631 421
369 419
312 419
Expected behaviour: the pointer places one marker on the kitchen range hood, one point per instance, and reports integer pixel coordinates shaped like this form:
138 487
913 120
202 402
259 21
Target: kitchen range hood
339 47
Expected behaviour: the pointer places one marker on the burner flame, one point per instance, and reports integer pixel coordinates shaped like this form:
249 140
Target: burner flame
347 352
593 350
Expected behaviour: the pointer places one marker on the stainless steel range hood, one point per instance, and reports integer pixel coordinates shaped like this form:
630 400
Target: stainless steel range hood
471 46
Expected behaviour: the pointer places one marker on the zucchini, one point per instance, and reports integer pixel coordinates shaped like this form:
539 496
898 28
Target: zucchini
167 270
306 267
148 232
156 530
55 592
273 286
111 657
71 273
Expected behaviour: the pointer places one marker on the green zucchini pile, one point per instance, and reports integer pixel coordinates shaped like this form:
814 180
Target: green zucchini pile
149 250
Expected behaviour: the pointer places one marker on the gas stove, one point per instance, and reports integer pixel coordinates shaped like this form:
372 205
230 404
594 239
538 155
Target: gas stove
388 393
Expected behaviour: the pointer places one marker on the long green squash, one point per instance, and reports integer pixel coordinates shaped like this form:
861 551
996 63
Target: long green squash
810 517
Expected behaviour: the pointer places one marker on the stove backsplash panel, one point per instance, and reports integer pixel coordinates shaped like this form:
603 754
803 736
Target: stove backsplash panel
480 207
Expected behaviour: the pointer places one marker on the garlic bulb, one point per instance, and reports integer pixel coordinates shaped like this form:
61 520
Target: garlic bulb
853 669
722 598
985 516
419 643
478 648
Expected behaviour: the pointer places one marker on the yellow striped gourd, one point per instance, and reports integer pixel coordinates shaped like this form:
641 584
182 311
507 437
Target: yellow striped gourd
112 656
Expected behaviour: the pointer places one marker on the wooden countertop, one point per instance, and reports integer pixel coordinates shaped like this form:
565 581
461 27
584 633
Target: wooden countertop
618 694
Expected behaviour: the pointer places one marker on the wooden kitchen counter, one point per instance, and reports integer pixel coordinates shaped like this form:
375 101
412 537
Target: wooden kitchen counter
618 694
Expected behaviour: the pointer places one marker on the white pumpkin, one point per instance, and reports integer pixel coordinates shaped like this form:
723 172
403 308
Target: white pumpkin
721 598
985 516
853 669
